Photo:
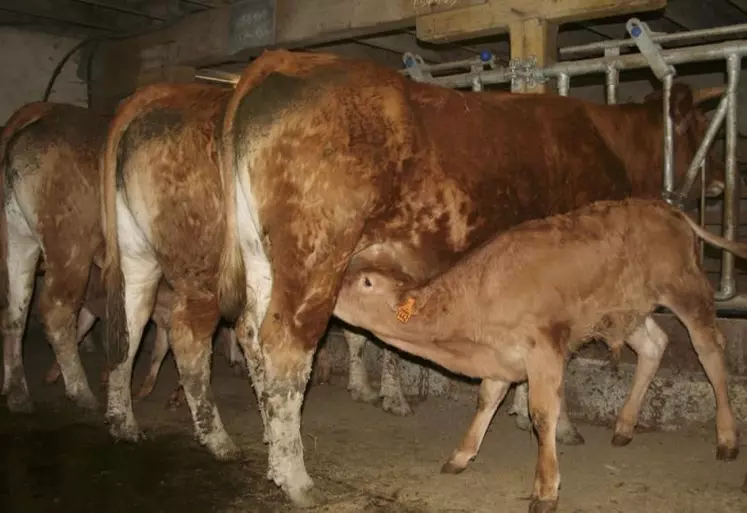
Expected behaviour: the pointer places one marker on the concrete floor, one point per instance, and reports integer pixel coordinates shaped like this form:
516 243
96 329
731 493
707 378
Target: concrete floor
366 460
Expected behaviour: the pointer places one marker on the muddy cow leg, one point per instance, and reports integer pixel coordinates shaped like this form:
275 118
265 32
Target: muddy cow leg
567 433
698 314
86 320
141 274
392 398
490 395
61 295
193 321
358 384
22 253
160 348
649 342
545 367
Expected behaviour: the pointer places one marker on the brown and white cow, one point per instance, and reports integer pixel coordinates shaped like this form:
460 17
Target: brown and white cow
516 307
51 206
164 217
341 163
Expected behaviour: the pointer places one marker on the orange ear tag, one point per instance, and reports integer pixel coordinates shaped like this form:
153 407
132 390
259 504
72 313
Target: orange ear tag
404 312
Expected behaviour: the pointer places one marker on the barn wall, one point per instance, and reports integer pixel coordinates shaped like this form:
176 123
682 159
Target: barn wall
27 60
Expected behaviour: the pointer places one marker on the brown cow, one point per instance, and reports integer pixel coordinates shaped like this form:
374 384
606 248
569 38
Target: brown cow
516 307
164 215
51 206
340 163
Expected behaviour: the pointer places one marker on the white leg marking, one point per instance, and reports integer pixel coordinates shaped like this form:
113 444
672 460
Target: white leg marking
358 384
23 253
141 276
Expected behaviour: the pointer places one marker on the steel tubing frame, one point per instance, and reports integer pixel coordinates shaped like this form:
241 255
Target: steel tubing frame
611 64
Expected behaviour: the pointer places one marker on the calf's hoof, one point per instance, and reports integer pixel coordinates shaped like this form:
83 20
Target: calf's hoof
396 406
724 453
619 440
306 497
452 468
540 506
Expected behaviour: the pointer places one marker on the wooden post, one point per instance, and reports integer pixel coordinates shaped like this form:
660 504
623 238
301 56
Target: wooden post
538 38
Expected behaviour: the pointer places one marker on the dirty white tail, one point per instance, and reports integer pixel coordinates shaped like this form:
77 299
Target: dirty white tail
738 248
21 119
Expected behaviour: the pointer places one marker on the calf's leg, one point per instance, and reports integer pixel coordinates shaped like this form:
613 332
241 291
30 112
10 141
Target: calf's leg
392 398
649 342
194 318
545 378
698 314
489 397
22 256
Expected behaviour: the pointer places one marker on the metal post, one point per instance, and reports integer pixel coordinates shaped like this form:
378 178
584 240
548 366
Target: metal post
612 76
732 179
564 84
668 176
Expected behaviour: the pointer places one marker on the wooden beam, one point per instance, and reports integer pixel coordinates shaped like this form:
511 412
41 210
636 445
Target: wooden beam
495 16
538 38
77 13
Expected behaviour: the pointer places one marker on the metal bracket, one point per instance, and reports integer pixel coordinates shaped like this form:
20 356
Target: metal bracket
643 37
526 70
415 66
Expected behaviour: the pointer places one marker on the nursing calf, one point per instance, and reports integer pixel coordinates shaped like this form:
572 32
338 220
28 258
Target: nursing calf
514 309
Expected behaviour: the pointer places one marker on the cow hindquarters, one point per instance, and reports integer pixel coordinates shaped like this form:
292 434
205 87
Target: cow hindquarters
62 293
22 253
140 276
194 318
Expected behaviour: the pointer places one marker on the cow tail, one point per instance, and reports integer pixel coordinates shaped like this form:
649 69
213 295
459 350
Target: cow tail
231 270
22 118
738 248
117 339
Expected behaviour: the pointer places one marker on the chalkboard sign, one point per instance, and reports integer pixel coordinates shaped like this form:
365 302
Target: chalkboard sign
252 25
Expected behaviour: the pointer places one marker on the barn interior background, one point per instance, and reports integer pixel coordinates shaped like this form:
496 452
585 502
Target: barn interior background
127 43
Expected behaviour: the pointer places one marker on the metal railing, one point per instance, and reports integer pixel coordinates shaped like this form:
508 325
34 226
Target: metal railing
483 70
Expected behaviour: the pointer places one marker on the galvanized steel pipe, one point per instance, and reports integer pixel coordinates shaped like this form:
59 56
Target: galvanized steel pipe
668 171
731 189
564 84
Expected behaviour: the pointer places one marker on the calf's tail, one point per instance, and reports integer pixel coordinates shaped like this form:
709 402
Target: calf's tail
738 248
21 119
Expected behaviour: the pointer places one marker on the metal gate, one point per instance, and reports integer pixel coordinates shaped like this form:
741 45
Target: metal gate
483 70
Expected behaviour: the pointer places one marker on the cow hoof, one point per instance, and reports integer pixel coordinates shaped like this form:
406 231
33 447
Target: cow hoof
365 395
20 403
539 506
619 440
119 429
396 406
570 437
523 422
224 449
724 453
452 468
308 497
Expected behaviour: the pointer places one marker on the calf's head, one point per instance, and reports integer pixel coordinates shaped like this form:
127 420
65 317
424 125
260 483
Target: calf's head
370 299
